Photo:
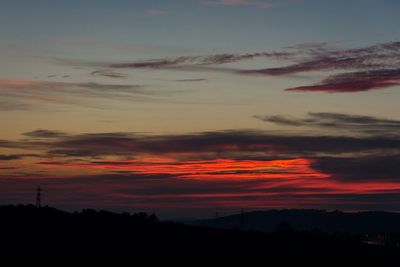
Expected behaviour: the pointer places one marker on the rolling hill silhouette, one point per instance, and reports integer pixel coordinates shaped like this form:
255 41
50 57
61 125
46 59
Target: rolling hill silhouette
33 236
309 220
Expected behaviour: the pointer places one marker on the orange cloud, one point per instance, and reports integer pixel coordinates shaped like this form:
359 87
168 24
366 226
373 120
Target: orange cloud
208 169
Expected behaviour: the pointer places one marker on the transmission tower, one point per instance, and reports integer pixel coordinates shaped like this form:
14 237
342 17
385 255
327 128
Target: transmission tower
38 197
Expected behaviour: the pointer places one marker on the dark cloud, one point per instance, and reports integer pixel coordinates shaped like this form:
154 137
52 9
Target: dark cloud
319 64
344 158
164 194
231 58
312 57
181 63
78 153
171 186
368 68
18 156
377 168
208 145
362 69
157 63
24 144
354 82
9 157
191 80
40 133
349 170
108 73
320 57
282 120
339 122
223 144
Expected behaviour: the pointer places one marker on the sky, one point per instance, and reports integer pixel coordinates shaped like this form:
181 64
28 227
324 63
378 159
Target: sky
187 108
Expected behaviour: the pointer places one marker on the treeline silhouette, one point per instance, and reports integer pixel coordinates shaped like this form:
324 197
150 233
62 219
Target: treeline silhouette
371 222
30 236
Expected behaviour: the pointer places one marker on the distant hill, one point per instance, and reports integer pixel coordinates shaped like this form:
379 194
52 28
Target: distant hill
46 236
309 220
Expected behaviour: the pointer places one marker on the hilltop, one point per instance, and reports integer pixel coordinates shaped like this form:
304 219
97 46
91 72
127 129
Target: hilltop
311 220
31 235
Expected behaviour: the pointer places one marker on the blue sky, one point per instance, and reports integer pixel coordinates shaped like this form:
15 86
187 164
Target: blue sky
196 24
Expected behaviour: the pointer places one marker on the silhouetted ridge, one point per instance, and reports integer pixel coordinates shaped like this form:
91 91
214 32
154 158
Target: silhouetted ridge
308 220
33 235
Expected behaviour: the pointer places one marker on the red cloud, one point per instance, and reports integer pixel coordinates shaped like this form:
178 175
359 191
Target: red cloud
226 169
354 82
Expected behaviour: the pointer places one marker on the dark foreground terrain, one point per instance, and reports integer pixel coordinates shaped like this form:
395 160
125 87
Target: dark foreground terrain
370 222
31 236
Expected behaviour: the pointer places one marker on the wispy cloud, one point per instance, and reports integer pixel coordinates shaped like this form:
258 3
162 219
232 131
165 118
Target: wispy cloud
368 68
155 12
85 87
321 57
27 91
178 63
13 104
339 122
258 4
40 133
108 73
191 80
354 82
356 70
205 145
9 157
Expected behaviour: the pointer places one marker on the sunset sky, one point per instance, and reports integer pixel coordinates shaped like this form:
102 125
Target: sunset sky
186 108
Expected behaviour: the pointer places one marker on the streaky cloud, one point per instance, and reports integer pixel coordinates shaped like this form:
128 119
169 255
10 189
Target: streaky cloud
253 3
339 122
13 104
354 82
378 168
40 133
9 157
178 63
191 80
108 73
356 69
205 145
350 152
22 94
368 68
89 88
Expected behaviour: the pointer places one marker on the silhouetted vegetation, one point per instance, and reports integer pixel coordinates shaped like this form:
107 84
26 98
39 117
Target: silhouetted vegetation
311 220
32 235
